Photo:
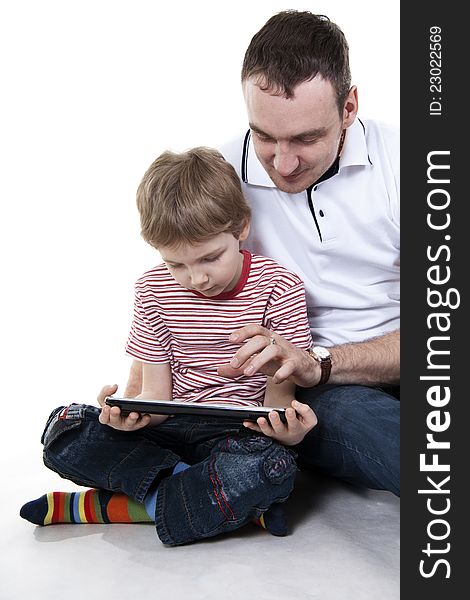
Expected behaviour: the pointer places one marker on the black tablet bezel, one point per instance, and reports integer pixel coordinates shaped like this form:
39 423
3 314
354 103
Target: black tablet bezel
173 407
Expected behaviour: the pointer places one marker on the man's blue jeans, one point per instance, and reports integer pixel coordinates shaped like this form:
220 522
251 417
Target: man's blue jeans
357 438
235 474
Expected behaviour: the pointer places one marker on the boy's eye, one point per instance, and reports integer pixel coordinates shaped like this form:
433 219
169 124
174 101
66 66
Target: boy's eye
211 258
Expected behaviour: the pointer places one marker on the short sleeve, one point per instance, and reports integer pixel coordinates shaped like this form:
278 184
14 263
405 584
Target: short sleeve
287 314
148 339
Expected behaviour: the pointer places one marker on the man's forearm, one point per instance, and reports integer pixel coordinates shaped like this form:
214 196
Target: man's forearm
373 362
134 383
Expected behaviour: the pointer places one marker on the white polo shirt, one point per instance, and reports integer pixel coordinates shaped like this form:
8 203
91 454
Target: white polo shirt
343 241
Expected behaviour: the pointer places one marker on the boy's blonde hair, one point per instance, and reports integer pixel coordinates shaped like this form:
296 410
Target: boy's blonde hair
190 197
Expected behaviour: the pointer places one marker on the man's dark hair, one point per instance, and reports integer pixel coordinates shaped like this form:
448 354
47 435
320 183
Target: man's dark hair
293 47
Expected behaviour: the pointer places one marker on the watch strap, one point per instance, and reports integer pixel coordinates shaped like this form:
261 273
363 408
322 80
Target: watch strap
325 365
325 370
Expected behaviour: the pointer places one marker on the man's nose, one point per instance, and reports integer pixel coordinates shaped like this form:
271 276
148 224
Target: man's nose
285 161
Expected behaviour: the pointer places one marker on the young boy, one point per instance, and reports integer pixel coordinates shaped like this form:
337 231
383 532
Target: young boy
195 477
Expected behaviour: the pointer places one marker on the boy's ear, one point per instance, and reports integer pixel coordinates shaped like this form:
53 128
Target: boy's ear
244 232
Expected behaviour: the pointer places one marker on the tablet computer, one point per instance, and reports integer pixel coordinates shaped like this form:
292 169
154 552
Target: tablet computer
173 407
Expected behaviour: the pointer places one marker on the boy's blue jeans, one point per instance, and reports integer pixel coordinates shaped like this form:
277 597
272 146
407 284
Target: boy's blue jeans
235 474
357 438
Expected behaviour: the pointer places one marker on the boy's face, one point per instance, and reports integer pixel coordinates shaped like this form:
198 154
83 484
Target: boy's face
211 267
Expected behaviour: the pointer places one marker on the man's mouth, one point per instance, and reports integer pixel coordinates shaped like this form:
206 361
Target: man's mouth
292 176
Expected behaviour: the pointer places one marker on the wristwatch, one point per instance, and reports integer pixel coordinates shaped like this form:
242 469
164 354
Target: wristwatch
323 356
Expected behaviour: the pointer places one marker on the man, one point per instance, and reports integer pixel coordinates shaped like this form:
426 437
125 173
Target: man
323 187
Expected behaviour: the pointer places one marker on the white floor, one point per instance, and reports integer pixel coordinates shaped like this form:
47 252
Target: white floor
344 544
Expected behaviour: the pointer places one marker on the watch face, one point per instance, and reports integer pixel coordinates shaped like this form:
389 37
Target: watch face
321 352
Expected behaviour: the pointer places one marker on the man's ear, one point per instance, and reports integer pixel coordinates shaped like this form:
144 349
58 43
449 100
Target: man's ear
351 106
245 231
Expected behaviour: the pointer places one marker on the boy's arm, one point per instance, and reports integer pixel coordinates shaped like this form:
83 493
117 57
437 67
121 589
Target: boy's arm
279 395
134 383
300 417
156 384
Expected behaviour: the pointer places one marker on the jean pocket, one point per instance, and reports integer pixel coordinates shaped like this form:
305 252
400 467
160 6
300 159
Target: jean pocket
61 420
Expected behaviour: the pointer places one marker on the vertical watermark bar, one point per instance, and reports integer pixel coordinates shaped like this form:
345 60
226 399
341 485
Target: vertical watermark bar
435 413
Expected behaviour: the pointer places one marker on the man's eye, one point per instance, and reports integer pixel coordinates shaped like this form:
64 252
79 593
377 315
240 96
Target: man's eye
211 258
262 137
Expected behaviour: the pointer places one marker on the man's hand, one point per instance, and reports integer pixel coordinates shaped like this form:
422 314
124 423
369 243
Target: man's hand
269 353
112 415
300 420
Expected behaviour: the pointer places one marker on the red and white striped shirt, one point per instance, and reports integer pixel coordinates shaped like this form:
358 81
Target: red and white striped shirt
178 326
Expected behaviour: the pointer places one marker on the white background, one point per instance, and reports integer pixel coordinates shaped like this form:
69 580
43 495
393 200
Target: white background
92 92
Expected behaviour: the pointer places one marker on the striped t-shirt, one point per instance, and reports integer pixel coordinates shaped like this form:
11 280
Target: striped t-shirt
184 328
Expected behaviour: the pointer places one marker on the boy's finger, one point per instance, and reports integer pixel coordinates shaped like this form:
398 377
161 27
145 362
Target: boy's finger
276 422
106 390
300 407
264 426
251 425
291 416
115 416
104 415
115 411
308 416
142 422
131 420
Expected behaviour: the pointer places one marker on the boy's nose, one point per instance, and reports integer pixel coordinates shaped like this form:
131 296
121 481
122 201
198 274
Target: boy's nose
198 278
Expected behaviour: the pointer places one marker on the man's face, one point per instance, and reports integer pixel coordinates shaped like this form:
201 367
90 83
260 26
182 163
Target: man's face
296 139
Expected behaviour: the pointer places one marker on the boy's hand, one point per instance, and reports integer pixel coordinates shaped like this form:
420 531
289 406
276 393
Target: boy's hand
112 415
300 420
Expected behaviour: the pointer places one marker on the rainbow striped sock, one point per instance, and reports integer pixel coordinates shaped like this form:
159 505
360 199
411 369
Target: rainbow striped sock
91 506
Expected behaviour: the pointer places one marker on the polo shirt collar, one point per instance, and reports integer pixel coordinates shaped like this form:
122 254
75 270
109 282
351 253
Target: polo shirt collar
252 171
354 153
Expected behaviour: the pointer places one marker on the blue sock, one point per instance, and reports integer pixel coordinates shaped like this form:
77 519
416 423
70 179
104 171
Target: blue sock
274 520
150 500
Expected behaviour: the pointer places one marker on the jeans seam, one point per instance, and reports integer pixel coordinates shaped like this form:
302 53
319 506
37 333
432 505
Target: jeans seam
160 524
213 472
353 449
117 465
143 487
